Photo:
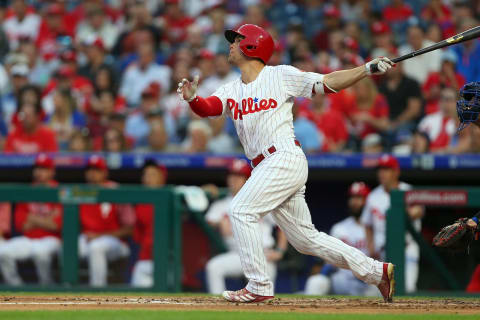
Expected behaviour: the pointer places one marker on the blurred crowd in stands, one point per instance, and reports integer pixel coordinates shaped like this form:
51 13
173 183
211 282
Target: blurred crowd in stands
99 75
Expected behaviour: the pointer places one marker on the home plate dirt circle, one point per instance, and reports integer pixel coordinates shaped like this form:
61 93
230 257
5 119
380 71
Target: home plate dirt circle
284 304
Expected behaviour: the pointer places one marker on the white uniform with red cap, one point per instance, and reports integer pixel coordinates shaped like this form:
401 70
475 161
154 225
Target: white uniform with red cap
374 215
342 281
262 114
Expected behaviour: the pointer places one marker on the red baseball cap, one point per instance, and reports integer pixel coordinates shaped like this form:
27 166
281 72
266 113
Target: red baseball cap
152 90
241 167
351 43
43 160
388 161
380 27
68 55
206 54
66 72
331 11
358 189
96 162
95 42
55 9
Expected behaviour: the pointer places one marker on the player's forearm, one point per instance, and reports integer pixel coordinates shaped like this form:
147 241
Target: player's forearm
46 223
122 232
342 79
206 107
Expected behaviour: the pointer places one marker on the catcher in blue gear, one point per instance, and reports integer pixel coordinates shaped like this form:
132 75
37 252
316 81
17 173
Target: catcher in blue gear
468 105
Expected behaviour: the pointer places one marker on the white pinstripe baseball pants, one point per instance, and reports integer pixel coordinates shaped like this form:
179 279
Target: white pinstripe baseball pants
277 186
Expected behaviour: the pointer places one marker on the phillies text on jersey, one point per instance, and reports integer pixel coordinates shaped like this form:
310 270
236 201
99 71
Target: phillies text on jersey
262 109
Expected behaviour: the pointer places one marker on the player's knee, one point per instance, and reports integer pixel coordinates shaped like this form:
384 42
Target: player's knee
318 285
6 254
213 267
97 246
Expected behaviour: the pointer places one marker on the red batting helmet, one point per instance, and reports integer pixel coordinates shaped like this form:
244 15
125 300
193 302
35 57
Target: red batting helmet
358 189
256 42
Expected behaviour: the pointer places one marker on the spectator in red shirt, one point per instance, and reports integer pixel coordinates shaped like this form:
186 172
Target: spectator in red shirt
30 135
329 121
52 27
446 77
397 11
370 111
383 44
154 175
441 127
175 22
104 226
332 23
40 225
437 12
21 21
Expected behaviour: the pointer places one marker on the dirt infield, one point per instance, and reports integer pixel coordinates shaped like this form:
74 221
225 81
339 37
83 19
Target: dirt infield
310 305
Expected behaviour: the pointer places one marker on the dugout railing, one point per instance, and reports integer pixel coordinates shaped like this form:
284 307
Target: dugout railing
167 228
398 225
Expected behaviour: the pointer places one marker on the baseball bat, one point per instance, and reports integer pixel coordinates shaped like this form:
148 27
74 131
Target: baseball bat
458 38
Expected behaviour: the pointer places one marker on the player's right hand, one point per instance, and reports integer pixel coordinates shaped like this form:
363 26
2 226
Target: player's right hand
379 65
188 90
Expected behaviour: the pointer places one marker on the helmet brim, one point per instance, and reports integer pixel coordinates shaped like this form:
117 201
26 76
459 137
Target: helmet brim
230 35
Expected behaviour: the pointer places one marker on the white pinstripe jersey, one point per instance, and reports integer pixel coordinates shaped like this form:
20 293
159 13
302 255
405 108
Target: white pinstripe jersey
262 109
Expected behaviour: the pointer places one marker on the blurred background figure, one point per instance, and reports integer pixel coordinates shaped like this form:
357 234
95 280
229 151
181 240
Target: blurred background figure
372 144
104 227
351 231
441 126
29 134
154 175
375 211
39 226
227 264
198 138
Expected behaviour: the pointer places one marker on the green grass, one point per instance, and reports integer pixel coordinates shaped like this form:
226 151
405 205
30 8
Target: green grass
210 315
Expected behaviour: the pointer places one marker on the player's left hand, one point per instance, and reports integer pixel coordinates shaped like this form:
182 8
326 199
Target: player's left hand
382 65
188 90
91 236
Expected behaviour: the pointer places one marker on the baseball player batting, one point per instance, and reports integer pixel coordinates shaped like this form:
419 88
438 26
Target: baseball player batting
260 104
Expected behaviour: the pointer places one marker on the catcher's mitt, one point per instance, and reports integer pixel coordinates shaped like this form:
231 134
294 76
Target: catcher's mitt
456 237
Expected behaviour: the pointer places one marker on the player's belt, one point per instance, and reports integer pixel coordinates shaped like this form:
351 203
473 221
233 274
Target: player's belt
256 161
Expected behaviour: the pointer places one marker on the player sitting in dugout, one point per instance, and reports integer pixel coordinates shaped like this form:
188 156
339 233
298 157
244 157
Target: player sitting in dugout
350 230
105 226
40 227
154 175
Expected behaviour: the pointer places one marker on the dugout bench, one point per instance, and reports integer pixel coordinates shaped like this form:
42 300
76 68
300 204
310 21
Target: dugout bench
167 229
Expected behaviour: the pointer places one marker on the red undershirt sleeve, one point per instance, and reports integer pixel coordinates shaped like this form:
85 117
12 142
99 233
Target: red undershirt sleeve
207 107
